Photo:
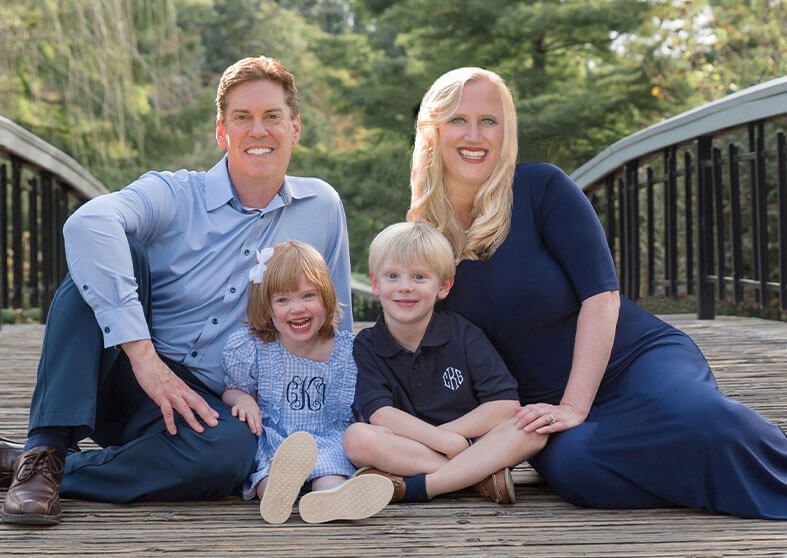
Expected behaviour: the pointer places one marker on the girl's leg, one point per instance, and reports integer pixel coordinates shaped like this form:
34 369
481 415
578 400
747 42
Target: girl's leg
327 481
378 446
503 446
261 487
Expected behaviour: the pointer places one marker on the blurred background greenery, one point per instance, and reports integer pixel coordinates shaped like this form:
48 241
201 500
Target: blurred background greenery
124 86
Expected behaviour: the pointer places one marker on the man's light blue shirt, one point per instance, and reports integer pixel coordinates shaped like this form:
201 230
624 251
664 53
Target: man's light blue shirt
200 244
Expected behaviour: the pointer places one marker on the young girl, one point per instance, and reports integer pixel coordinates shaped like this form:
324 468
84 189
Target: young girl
291 376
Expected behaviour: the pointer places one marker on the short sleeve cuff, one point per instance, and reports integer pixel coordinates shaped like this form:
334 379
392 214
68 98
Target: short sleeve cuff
587 292
372 406
121 325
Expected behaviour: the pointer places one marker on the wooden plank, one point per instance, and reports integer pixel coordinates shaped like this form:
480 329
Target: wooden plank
748 355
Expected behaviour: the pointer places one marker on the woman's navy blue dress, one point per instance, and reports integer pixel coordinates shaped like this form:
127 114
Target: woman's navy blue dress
659 433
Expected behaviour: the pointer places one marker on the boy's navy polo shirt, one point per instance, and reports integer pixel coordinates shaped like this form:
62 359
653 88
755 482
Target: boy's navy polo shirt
453 371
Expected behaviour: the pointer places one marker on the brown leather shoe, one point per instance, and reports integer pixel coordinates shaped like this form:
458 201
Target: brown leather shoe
9 451
34 496
398 482
498 487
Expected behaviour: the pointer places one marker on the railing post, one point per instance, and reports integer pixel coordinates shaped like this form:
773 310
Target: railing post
48 233
3 236
16 231
623 239
761 205
705 308
671 220
634 224
689 205
610 195
781 158
651 234
718 199
735 210
32 227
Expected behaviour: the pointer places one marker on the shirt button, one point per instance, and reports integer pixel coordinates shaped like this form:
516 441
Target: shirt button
214 321
84 287
246 252
419 386
193 353
106 330
232 289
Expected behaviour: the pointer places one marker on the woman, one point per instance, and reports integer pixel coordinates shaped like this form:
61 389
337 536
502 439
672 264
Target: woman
631 406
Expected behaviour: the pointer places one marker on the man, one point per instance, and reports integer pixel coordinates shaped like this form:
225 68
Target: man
158 277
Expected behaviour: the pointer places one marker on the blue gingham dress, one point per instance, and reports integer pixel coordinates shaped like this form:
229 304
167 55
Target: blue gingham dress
295 393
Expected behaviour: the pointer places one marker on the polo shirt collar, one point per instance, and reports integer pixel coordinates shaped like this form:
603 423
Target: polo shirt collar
437 334
220 190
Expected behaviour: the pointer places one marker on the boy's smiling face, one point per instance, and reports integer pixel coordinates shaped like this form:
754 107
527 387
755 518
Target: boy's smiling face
408 292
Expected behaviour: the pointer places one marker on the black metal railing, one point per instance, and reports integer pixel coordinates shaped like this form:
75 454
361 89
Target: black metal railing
39 187
698 203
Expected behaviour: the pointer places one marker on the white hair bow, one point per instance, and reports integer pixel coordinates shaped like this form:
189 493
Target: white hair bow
257 270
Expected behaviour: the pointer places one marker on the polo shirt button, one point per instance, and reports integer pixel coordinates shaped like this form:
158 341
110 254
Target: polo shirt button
232 290
193 353
84 287
214 321
246 252
106 330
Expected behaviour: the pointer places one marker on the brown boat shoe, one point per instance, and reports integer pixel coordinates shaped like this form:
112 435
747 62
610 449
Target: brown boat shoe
9 451
398 482
34 496
498 487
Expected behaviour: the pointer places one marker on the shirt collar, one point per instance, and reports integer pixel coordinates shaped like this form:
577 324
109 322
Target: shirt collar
437 334
220 190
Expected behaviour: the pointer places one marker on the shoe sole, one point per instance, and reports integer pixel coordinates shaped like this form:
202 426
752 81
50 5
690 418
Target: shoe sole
30 518
510 488
292 463
356 498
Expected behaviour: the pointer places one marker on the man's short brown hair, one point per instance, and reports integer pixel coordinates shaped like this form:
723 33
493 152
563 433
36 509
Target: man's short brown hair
253 68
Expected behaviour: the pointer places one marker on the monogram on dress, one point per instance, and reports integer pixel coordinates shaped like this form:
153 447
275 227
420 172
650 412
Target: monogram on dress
306 393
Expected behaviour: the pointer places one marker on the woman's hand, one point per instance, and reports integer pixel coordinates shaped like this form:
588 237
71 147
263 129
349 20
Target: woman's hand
544 418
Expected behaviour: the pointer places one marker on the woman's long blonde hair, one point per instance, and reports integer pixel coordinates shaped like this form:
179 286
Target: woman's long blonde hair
491 212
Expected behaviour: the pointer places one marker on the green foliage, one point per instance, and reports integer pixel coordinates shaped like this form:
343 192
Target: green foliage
124 87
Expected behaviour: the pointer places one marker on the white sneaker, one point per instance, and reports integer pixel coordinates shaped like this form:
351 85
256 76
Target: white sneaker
356 498
291 464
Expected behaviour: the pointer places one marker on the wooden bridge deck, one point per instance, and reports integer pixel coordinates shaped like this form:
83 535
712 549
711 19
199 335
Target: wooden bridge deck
748 355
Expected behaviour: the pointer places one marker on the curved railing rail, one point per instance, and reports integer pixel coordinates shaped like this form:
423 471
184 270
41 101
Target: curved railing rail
717 174
39 186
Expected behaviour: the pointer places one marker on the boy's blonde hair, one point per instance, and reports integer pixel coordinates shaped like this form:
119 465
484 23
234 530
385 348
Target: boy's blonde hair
491 212
291 260
413 244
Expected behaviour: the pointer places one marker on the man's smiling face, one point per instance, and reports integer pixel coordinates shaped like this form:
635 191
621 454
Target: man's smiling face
258 133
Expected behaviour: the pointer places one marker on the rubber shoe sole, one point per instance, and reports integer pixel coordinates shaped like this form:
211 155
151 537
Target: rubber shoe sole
292 463
30 518
356 498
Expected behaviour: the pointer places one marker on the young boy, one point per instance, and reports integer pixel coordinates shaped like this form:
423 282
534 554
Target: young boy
438 399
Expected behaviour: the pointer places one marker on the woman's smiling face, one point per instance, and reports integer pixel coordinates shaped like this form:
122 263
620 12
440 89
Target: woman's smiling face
472 139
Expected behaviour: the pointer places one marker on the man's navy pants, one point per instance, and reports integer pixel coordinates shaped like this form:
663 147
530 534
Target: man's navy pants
92 389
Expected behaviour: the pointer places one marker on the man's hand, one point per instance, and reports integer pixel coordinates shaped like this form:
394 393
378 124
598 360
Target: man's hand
166 389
